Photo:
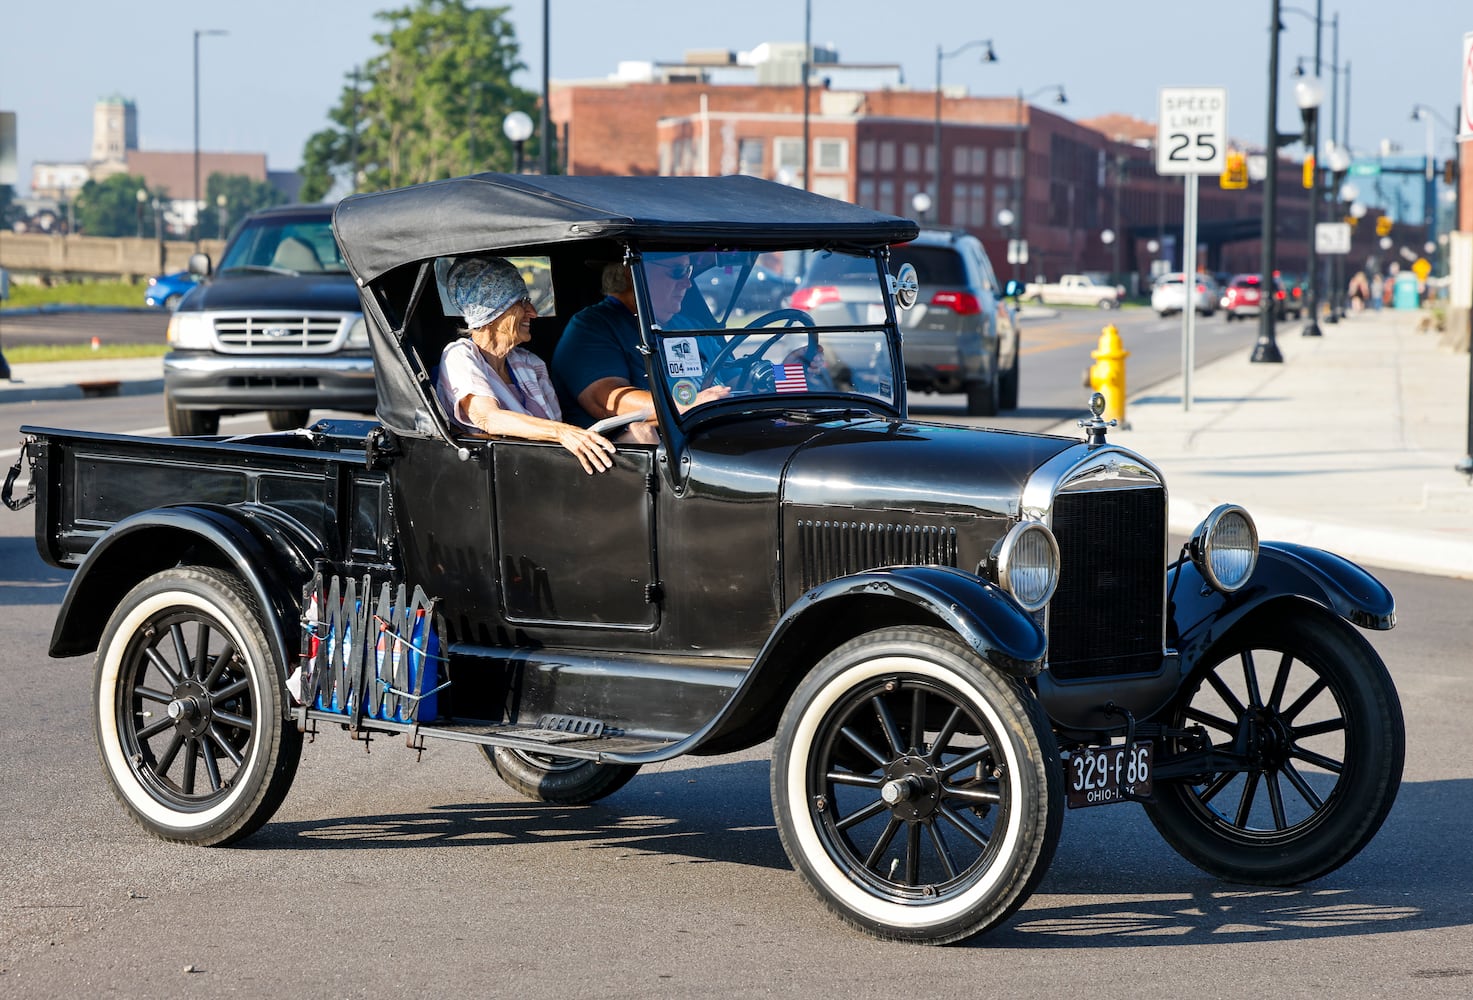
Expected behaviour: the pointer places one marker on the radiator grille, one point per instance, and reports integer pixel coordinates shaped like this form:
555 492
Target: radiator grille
831 549
272 334
1106 616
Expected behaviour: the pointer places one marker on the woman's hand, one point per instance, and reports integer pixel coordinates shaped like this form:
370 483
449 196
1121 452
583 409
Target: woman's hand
593 451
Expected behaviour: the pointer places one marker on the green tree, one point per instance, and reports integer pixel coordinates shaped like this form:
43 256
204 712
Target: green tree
428 106
242 197
110 207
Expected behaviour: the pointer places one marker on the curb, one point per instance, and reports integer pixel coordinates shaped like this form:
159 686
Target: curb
19 391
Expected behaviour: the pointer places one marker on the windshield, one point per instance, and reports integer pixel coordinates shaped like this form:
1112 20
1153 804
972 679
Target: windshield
285 244
740 320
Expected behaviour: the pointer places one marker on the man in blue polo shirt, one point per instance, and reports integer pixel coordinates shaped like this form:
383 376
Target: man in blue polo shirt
597 368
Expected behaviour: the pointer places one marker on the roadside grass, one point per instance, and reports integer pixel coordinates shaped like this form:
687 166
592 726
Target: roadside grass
74 293
30 354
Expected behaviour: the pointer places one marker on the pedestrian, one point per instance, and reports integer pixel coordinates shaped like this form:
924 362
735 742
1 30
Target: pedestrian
1378 289
1359 291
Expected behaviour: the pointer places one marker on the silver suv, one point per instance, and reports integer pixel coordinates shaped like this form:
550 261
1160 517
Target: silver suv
962 335
278 327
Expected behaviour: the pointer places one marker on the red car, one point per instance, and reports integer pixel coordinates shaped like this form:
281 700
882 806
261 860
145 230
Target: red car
1244 296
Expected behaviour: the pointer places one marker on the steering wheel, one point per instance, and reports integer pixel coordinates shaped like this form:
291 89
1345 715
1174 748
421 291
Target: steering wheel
752 368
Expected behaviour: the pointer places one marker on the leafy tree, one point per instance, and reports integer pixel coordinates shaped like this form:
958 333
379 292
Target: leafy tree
242 197
428 106
7 198
110 207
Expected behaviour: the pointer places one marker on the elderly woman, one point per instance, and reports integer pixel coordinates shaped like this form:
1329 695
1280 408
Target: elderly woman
488 383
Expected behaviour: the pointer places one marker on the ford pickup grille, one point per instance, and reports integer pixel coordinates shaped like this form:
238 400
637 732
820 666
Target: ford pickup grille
273 334
1106 616
831 549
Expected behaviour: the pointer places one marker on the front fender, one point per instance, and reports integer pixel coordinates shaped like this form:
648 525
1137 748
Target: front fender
978 611
1201 615
272 567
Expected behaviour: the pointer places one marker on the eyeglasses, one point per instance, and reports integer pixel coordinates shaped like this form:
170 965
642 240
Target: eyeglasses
675 271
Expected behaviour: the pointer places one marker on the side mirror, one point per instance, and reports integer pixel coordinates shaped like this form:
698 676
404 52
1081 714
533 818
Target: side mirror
1013 289
199 263
905 286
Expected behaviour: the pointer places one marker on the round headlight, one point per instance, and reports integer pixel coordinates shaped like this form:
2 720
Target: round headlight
1224 548
1028 564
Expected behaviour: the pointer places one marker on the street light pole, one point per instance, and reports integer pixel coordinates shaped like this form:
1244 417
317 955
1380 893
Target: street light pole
197 33
1019 200
1267 348
988 57
1310 93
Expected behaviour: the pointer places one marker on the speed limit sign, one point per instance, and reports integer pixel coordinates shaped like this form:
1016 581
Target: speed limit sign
1191 131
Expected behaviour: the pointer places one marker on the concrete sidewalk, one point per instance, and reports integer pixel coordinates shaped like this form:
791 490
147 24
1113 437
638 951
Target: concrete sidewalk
1349 445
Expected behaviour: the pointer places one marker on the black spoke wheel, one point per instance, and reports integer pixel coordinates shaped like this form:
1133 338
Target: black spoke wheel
568 781
188 709
917 790
1308 745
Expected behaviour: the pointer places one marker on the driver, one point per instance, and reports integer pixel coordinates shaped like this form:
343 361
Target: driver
598 369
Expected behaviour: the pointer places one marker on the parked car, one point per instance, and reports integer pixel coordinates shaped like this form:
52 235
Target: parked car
962 337
1169 294
277 327
1289 295
1243 296
740 288
1075 290
947 635
165 291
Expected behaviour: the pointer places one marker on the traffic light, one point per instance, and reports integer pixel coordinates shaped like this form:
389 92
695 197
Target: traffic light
1236 175
1383 226
1309 172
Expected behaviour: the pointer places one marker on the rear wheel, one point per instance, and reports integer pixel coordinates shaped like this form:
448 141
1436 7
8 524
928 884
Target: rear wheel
188 711
287 420
191 423
1007 392
1307 732
917 790
567 781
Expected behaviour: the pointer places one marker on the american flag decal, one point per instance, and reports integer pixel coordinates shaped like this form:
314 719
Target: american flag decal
790 378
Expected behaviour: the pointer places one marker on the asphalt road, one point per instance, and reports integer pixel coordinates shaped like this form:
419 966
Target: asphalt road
386 874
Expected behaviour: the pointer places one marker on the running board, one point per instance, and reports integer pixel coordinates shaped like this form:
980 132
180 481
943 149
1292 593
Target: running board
560 736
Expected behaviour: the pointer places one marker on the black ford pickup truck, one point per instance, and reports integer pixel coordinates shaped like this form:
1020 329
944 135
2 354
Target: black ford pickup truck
950 634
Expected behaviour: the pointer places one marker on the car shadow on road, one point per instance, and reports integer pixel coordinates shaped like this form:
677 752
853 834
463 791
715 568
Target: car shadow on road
25 579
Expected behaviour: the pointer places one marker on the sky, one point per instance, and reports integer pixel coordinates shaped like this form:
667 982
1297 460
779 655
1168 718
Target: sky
267 85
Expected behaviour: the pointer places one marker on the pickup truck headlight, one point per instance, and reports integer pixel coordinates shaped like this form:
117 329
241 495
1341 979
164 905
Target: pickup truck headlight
1028 564
1224 548
358 334
190 331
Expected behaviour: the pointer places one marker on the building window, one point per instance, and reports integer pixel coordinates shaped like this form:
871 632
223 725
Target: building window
960 161
831 154
832 187
887 198
959 205
749 157
1000 160
979 161
867 156
787 157
979 206
867 193
912 157
887 157
1002 196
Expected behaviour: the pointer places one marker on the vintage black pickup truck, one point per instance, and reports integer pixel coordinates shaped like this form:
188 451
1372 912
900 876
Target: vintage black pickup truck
950 634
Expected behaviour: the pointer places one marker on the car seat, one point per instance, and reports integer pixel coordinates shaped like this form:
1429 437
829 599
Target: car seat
295 254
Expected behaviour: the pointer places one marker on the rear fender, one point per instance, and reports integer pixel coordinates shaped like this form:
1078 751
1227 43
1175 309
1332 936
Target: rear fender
1201 615
976 610
257 550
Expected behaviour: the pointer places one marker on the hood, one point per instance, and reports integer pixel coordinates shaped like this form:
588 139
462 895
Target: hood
256 291
918 468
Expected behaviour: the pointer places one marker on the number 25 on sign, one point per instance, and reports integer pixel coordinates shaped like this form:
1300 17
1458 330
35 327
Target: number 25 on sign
1191 131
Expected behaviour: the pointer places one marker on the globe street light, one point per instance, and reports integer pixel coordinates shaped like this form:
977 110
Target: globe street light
1309 94
1338 159
197 33
921 202
988 57
517 127
142 197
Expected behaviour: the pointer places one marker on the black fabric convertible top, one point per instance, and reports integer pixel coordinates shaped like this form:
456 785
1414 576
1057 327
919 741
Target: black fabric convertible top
502 212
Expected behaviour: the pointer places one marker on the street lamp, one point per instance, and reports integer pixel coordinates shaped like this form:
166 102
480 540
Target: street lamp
220 202
1421 112
518 128
1309 94
1266 349
1338 158
921 202
1019 203
197 33
988 56
142 197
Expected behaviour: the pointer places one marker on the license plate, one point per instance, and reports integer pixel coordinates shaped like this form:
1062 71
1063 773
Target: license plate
1098 776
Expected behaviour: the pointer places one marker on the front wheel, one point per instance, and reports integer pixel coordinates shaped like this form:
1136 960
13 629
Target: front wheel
567 781
1308 742
917 790
188 711
191 423
287 420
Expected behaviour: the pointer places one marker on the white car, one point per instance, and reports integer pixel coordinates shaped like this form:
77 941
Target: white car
1169 294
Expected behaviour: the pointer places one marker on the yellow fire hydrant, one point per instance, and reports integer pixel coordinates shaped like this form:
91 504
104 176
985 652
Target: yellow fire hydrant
1107 374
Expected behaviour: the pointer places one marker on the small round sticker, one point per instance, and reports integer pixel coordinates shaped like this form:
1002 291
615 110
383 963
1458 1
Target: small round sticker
684 392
